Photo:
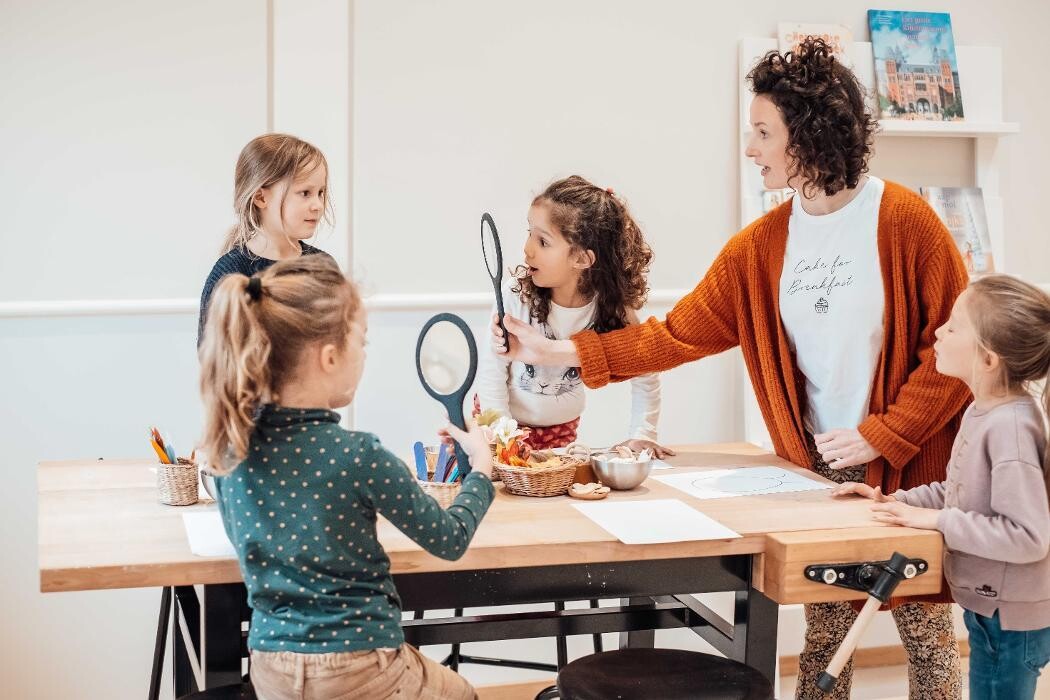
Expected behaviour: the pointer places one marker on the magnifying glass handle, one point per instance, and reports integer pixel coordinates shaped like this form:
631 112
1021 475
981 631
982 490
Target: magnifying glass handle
500 313
455 417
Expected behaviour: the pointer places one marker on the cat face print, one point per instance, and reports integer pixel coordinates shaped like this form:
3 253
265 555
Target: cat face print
548 381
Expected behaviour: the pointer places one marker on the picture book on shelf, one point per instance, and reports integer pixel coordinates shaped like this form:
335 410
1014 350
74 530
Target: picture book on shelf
838 37
916 71
962 211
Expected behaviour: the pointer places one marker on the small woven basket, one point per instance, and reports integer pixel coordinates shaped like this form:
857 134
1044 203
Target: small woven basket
542 482
493 448
442 492
177 483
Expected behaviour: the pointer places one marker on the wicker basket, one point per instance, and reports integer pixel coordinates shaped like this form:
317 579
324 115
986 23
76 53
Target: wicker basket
442 492
177 483
539 481
493 447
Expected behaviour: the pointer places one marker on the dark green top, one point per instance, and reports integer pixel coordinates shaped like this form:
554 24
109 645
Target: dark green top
301 513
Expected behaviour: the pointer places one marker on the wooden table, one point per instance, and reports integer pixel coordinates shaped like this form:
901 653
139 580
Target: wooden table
101 527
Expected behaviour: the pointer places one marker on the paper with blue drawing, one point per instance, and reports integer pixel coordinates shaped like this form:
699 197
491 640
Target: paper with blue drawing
740 481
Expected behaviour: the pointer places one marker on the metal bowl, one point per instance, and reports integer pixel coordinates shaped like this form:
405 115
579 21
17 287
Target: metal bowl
620 475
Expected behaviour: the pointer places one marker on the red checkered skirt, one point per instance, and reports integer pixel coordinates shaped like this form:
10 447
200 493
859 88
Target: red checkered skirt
549 436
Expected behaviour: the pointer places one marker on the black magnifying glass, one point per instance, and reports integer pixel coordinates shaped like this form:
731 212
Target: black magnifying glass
493 252
447 360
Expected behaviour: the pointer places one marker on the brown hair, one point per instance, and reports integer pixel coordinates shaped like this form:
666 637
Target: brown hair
591 218
1012 319
265 161
255 333
830 130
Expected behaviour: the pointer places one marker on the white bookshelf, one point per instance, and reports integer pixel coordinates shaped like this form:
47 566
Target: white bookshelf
967 129
980 71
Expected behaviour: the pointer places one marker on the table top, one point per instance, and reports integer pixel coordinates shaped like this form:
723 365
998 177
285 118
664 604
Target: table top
100 525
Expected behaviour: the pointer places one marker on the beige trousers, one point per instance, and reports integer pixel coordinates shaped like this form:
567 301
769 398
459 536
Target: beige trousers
375 674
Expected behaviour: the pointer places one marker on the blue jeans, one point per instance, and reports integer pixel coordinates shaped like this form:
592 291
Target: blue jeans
1004 664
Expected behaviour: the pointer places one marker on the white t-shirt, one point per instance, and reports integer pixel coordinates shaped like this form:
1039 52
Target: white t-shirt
832 304
543 396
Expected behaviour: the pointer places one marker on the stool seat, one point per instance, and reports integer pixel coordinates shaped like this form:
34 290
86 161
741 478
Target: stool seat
667 674
237 691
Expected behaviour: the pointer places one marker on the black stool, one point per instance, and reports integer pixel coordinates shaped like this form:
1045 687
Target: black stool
667 674
237 691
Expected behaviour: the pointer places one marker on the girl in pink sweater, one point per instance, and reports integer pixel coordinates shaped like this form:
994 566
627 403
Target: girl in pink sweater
993 508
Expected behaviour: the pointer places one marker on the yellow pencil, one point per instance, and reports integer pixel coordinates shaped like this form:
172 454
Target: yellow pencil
160 453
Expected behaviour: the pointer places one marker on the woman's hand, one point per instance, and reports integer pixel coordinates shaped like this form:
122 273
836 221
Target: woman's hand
473 443
528 344
899 513
844 447
858 488
659 451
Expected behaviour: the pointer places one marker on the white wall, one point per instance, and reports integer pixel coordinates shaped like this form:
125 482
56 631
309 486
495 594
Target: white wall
120 127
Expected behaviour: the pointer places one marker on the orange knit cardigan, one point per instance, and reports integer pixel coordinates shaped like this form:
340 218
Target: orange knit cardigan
914 411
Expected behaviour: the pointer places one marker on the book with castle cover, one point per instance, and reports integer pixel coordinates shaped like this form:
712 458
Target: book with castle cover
916 72
838 37
962 211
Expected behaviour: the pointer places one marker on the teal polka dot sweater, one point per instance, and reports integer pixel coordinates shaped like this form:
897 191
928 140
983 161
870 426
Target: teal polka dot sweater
301 513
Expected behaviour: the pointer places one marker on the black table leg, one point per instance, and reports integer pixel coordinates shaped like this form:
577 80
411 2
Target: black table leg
560 644
645 639
186 615
221 609
223 641
160 643
755 632
596 638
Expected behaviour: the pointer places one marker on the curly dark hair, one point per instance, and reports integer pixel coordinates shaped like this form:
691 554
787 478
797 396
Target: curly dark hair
591 218
830 130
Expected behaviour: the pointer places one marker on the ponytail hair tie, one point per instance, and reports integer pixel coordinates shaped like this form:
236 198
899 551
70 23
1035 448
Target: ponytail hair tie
254 288
609 190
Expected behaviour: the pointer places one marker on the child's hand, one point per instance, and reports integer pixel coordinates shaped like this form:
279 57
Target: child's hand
874 494
473 443
659 451
899 513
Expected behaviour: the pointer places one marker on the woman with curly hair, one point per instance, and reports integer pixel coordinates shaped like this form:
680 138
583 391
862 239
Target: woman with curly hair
585 268
833 298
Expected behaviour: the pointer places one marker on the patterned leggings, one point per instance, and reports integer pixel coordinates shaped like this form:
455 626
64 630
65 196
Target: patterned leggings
926 629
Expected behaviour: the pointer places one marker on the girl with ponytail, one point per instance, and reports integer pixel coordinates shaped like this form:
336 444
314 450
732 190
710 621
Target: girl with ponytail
299 494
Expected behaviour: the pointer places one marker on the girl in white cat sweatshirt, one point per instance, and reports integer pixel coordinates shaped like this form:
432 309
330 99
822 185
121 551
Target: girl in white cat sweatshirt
585 268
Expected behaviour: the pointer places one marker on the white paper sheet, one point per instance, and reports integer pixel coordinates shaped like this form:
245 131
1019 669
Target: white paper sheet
652 522
206 534
742 481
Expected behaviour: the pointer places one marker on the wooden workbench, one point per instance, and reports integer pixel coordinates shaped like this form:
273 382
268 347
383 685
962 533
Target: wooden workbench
102 527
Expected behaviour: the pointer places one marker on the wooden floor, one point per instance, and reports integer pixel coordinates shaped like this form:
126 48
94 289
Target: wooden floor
885 683
516 691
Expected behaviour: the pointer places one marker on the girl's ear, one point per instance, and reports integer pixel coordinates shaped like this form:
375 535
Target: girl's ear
584 259
329 357
991 361
261 197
